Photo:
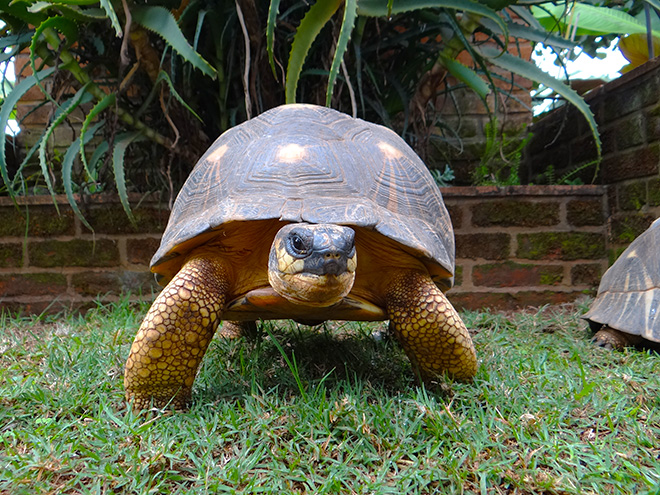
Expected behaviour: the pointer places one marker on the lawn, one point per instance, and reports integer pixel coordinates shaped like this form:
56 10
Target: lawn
331 409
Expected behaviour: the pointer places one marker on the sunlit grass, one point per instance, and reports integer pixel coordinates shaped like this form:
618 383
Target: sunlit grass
338 412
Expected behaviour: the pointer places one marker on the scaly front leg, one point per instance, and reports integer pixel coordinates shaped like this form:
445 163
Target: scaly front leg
175 334
429 328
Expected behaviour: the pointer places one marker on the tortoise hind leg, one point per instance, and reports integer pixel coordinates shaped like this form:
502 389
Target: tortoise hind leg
428 327
175 334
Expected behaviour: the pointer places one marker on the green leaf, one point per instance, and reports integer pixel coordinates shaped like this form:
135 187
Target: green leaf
93 113
347 25
316 17
532 72
60 24
162 22
532 34
122 142
82 96
378 8
468 76
163 76
67 167
273 10
112 15
70 12
590 20
8 106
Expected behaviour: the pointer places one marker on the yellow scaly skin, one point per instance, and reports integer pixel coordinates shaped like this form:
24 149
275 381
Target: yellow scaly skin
175 334
428 328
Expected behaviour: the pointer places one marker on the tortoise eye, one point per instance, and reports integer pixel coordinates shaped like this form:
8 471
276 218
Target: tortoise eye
298 244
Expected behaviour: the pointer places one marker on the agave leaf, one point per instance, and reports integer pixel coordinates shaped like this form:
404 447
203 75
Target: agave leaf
112 15
67 167
162 22
350 14
163 76
122 142
82 96
316 17
518 30
594 21
468 76
377 8
70 11
58 23
530 71
273 10
96 109
8 106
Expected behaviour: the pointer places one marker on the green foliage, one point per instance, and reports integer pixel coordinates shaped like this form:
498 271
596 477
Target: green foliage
181 74
501 159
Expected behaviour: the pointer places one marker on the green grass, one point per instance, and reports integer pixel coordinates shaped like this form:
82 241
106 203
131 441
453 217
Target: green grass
338 412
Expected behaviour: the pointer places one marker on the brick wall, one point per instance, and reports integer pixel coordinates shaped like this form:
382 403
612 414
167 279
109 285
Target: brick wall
516 246
627 111
49 262
526 245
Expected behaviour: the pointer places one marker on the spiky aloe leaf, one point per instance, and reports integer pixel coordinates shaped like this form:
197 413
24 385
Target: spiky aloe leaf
8 106
163 76
347 25
89 118
273 10
316 17
590 20
67 167
70 11
467 75
121 144
532 72
378 8
82 96
162 22
112 15
57 23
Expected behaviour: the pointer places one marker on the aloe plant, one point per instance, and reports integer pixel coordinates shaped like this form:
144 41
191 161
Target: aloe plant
409 84
59 35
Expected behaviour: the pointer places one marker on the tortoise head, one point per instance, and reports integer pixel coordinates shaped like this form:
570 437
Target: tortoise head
311 264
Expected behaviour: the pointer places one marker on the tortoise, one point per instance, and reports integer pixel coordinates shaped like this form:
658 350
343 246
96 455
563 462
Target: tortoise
625 311
305 213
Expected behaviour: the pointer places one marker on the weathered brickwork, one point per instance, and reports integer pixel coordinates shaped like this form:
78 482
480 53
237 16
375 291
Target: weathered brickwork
543 245
50 261
525 246
627 111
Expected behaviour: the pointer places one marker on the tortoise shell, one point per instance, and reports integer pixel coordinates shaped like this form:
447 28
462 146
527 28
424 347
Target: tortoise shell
305 163
628 297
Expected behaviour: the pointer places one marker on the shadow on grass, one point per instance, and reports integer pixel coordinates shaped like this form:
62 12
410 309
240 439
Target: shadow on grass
291 358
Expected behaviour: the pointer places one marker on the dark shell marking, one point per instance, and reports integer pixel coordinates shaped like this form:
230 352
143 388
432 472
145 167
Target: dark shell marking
628 297
303 163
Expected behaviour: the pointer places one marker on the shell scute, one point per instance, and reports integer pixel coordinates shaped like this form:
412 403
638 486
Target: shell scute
314 164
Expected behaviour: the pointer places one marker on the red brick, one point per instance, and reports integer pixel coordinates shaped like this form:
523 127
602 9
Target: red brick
510 274
586 274
486 246
510 213
52 253
139 251
632 164
95 283
581 212
33 284
561 245
11 255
